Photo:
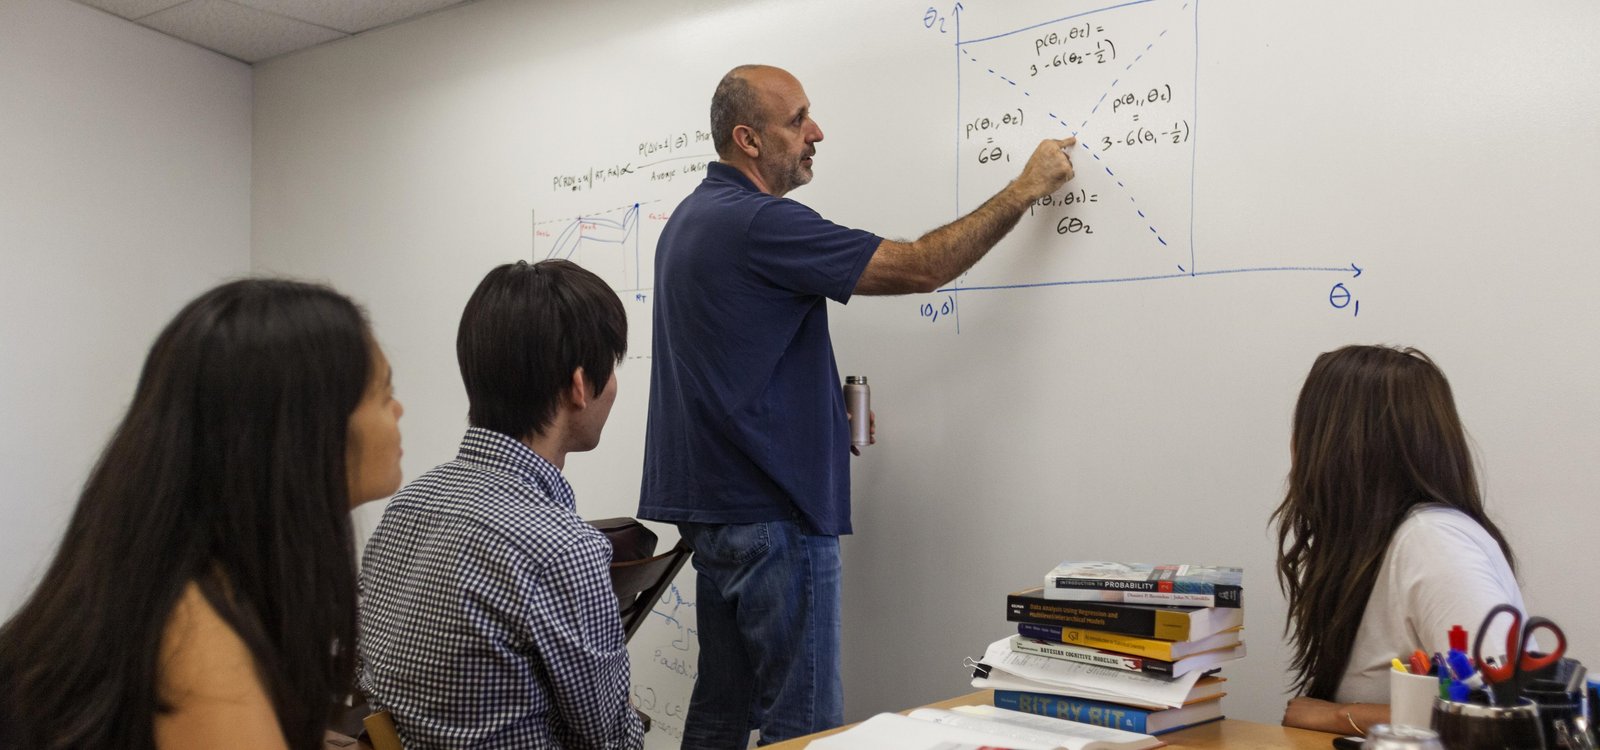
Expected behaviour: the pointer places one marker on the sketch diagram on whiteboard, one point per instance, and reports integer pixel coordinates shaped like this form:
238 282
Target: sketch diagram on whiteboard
1122 79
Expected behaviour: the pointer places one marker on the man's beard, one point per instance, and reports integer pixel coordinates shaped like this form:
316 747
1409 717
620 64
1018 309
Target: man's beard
793 174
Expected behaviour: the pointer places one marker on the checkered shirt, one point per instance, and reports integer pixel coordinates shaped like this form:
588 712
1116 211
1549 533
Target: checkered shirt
487 614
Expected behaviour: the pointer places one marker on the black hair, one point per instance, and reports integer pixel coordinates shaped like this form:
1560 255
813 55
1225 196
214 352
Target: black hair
525 330
228 472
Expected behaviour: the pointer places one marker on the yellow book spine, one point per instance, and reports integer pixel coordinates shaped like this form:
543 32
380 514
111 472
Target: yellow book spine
1172 626
1125 644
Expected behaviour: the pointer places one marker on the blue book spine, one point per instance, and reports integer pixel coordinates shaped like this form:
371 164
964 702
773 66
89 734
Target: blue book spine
1126 718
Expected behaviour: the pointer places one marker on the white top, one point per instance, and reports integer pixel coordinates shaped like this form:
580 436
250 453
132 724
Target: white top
1441 569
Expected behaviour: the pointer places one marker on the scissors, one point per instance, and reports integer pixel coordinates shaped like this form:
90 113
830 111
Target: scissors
1519 660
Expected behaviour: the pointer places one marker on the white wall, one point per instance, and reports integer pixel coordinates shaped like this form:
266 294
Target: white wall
124 192
1447 148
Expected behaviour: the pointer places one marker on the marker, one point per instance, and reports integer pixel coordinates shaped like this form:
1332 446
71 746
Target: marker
1398 667
1461 667
1419 662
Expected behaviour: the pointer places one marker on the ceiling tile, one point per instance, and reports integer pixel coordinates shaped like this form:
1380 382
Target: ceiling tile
238 31
133 9
350 16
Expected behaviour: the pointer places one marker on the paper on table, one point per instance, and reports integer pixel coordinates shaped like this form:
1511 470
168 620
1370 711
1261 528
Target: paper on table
896 732
1018 726
1084 680
999 680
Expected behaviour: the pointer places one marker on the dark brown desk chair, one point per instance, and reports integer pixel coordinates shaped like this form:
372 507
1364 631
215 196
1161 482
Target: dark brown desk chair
638 575
381 732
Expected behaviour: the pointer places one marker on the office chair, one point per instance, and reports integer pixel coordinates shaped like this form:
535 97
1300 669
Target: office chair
637 574
381 731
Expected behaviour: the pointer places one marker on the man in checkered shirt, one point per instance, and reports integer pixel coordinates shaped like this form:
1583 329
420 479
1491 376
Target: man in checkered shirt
487 614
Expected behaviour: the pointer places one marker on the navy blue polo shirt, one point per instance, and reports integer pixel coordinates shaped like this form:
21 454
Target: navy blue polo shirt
747 419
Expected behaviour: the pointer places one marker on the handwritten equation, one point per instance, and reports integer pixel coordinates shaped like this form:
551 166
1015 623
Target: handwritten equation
1123 79
655 158
665 655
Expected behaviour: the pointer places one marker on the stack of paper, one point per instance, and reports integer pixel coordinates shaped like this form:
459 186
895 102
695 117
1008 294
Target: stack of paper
974 727
1011 670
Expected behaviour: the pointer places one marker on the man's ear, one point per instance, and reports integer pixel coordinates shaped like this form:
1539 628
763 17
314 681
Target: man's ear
578 390
747 140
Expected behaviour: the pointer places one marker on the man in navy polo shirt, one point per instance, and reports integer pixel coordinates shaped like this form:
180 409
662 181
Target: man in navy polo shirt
747 447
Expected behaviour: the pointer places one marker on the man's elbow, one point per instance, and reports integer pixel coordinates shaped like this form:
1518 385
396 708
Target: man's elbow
922 276
926 282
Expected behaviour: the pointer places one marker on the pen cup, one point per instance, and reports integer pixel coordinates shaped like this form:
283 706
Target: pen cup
1556 705
1411 698
1469 726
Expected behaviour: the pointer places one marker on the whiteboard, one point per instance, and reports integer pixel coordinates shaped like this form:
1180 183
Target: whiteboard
1258 182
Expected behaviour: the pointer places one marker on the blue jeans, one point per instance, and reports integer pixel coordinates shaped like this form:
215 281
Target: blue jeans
768 613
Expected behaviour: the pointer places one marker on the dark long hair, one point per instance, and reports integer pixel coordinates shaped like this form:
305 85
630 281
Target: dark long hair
227 472
1376 434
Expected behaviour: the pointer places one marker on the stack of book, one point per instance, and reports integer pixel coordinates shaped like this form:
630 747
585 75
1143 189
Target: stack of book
1130 646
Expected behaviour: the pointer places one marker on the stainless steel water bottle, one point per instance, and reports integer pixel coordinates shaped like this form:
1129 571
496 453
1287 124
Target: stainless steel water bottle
858 403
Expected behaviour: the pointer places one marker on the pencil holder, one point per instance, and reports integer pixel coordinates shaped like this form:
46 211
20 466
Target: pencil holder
1411 698
1557 705
1469 726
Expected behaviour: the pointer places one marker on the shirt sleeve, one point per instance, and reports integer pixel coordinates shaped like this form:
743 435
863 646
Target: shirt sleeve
1453 576
577 636
794 248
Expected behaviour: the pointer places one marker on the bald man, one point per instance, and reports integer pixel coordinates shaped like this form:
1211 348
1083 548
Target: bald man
747 447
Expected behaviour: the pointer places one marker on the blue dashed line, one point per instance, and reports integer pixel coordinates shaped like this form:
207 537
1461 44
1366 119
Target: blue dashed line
1120 185
1109 172
1154 232
1158 239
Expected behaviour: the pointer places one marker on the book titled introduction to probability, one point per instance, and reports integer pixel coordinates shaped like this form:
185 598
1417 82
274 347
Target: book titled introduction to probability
1140 583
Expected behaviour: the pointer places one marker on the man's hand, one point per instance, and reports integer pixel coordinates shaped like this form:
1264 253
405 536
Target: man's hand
872 430
1048 169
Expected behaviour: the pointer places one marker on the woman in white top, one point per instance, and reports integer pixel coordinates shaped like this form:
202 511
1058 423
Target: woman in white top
1383 543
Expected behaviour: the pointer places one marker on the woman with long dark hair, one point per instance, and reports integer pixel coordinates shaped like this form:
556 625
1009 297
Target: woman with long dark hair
204 593
1383 542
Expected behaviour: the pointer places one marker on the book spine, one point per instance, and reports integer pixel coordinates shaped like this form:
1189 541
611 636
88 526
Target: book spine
1105 616
1126 718
1156 592
1089 656
1091 639
1229 597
